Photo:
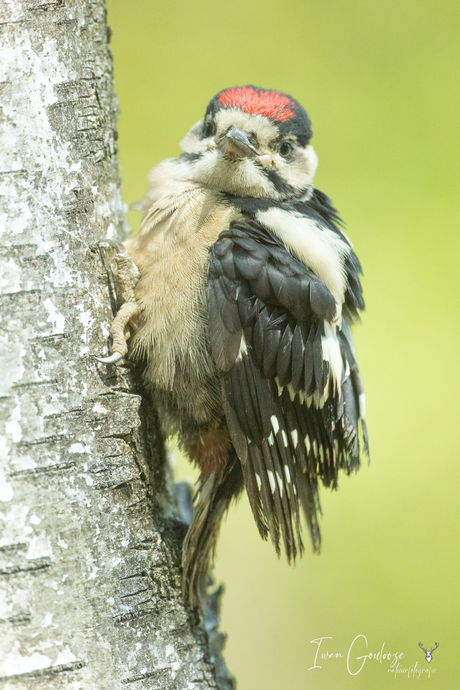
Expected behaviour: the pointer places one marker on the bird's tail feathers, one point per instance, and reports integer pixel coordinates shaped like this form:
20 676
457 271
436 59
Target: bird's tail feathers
212 501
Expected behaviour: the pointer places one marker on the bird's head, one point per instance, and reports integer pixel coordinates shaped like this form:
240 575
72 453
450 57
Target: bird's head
252 142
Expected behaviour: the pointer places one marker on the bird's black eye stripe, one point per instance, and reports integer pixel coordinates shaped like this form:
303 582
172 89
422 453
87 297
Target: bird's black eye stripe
209 129
286 148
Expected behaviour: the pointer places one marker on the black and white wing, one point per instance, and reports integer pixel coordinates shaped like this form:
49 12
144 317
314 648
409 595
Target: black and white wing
291 388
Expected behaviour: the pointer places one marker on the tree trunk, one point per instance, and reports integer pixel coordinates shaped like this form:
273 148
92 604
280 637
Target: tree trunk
90 540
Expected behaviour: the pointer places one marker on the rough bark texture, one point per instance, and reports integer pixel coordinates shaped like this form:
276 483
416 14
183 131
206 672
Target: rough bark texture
89 541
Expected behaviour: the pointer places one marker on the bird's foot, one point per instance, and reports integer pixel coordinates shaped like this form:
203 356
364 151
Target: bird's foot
127 275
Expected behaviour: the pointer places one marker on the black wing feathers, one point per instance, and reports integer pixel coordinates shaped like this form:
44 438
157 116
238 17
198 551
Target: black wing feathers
276 277
266 313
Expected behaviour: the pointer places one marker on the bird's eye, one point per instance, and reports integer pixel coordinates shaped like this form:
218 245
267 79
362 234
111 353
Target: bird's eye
286 149
209 129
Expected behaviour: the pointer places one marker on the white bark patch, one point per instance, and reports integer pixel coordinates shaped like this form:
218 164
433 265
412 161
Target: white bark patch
79 448
3 221
88 322
12 352
6 490
57 320
99 409
93 574
14 520
13 426
16 663
39 547
20 221
48 619
10 276
65 657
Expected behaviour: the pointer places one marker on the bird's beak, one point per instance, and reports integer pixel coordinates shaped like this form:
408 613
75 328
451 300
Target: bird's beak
235 145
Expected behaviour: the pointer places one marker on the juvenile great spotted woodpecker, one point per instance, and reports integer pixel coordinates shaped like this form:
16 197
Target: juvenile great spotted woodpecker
246 289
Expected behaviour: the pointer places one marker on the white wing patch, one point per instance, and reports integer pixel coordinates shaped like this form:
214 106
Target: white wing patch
243 349
320 248
275 423
331 353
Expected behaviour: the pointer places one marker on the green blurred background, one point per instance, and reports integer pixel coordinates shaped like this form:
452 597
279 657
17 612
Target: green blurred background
380 81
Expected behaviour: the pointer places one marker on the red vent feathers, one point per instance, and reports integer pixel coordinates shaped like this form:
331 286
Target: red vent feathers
272 104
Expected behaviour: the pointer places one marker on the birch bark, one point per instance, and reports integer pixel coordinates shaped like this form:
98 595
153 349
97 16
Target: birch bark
89 537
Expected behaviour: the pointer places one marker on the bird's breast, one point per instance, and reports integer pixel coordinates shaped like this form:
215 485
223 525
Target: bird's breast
172 254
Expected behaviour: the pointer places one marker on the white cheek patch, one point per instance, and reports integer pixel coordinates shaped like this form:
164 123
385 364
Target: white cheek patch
320 248
300 172
311 159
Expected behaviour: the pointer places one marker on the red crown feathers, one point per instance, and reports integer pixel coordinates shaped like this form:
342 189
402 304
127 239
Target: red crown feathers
274 105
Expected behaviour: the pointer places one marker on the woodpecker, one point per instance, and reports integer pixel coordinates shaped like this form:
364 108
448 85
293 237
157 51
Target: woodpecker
243 289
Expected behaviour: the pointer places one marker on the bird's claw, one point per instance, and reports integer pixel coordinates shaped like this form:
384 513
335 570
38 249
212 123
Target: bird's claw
119 246
111 359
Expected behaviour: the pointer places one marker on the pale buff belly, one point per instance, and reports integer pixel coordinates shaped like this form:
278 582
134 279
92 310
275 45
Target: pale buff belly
172 255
